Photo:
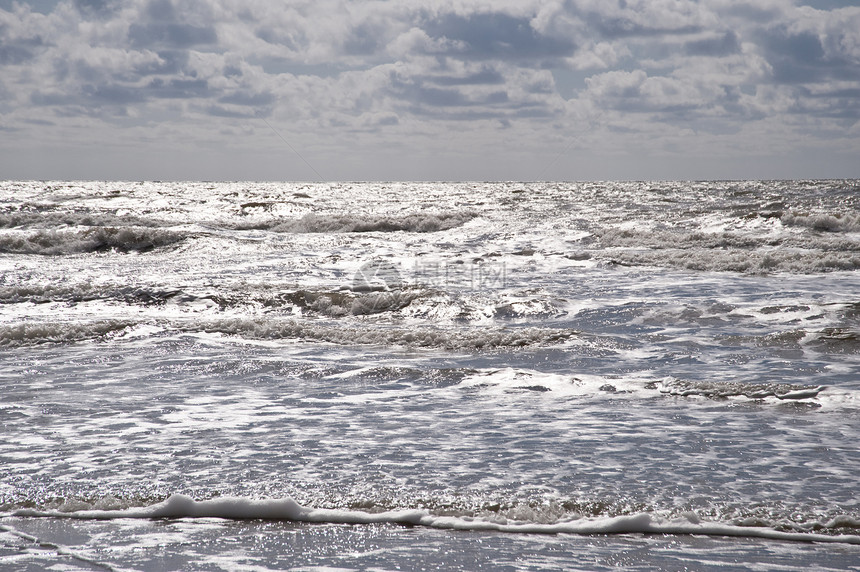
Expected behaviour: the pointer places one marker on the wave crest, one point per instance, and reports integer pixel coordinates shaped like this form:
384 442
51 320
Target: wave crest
59 332
726 389
452 339
838 222
318 223
96 239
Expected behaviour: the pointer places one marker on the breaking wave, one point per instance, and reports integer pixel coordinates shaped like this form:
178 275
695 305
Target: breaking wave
29 333
316 223
723 390
330 303
82 292
742 261
96 239
423 337
54 220
839 222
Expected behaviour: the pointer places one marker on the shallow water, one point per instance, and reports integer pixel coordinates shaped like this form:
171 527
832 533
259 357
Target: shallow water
554 357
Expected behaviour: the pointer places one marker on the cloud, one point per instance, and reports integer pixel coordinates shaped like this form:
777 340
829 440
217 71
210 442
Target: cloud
406 75
495 35
715 46
162 26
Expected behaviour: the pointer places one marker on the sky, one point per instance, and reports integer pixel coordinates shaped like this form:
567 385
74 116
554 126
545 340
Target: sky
432 90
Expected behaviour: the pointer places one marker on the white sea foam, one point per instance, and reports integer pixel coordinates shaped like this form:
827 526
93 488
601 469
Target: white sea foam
512 381
182 506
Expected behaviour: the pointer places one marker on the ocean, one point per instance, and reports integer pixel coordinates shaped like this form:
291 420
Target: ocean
430 376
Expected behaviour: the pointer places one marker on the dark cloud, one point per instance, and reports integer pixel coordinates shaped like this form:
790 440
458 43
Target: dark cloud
723 45
171 62
799 58
248 98
53 98
236 113
112 94
828 4
95 8
486 76
40 6
165 28
178 88
496 36
18 51
161 10
172 35
752 12
365 39
615 27
15 55
435 96
292 40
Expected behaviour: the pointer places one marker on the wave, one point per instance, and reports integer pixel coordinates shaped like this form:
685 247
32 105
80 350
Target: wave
83 292
726 389
833 340
55 220
317 223
422 337
657 239
96 239
286 509
339 303
838 222
29 333
747 262
727 251
837 341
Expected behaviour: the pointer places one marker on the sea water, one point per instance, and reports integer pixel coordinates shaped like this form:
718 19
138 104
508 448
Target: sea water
429 375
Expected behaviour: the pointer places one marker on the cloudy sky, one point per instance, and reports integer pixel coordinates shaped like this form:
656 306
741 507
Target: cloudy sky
436 89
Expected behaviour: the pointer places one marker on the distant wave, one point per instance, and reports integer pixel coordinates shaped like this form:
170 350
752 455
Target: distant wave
728 251
316 223
24 219
640 238
120 239
287 509
736 260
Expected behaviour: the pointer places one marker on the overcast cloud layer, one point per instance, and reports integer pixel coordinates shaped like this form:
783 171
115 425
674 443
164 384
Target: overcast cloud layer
456 89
